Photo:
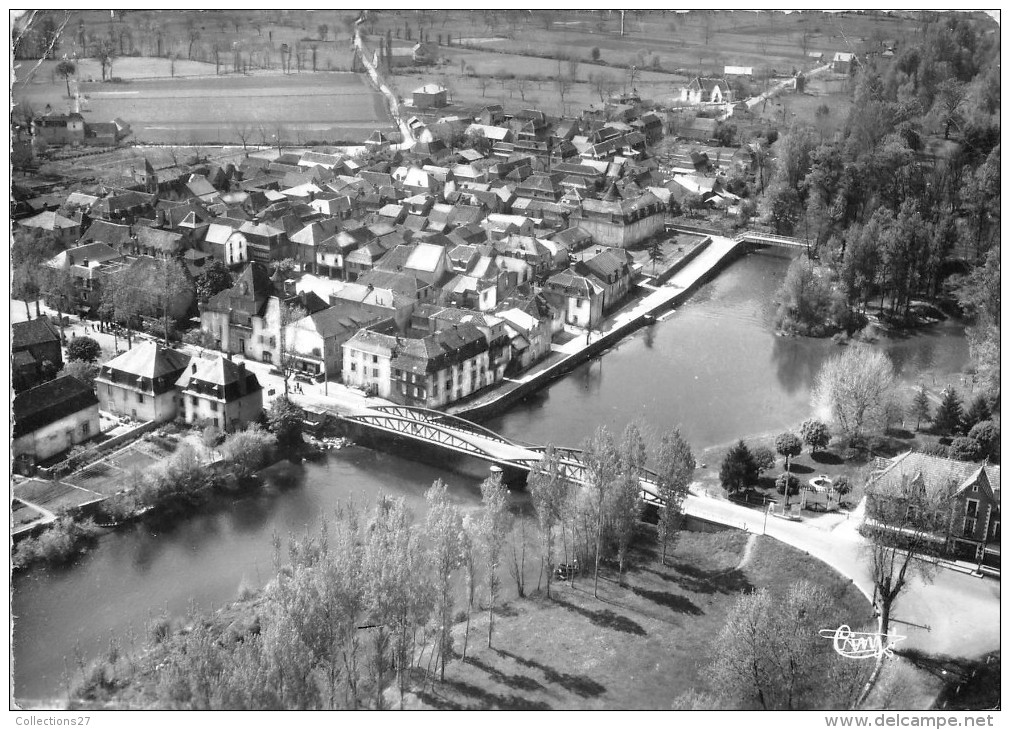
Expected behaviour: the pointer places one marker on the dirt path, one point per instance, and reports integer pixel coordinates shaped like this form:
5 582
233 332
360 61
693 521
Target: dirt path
748 551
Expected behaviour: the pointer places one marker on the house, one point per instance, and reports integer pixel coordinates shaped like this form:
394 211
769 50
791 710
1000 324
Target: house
430 371
52 418
611 269
842 62
815 56
141 383
969 494
85 265
64 229
705 90
246 318
490 115
217 391
226 244
578 297
527 249
59 129
265 242
36 354
529 337
429 96
738 71
157 243
384 303
616 221
315 341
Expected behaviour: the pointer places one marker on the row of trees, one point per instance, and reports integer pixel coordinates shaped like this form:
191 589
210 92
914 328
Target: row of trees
371 600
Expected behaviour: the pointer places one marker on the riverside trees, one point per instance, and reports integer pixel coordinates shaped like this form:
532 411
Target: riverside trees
855 388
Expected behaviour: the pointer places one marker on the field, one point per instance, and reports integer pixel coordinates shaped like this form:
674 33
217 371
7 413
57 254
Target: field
665 48
206 109
635 647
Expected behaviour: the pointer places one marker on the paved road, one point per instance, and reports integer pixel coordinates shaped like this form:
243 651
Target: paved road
961 610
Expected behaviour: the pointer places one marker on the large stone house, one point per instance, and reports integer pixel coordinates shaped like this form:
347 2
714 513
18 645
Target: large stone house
316 341
967 494
579 297
141 383
53 417
615 221
220 392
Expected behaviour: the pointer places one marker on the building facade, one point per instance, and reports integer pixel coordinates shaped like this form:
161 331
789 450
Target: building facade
141 383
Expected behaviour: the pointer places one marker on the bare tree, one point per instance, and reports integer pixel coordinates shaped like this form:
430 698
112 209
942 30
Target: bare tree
290 313
905 513
495 520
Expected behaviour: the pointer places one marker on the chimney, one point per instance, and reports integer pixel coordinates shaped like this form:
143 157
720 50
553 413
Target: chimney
193 367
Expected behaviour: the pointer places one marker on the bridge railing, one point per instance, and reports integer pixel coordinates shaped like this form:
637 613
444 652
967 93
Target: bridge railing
753 235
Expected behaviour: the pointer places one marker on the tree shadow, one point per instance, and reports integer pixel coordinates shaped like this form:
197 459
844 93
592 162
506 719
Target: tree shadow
827 457
801 468
578 684
515 681
680 604
487 699
606 618
900 433
698 580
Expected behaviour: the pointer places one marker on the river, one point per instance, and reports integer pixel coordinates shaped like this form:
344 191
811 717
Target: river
714 366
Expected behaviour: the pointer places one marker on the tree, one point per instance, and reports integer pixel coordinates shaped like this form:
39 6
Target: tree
121 299
764 458
919 407
600 462
548 488
965 448
656 254
765 653
987 433
469 540
738 470
674 470
105 53
495 520
788 445
854 387
951 95
693 203
444 528
192 35
25 286
594 54
290 313
85 349
215 278
66 68
285 421
60 291
785 480
977 412
815 434
244 134
170 283
84 371
902 515
949 413
625 509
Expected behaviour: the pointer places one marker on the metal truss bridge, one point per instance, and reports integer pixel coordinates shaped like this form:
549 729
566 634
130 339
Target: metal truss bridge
464 437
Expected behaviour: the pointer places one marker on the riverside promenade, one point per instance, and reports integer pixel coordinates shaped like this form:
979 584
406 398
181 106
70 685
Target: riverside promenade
613 328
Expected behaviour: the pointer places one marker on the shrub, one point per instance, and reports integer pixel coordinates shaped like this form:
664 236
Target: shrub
595 54
249 450
84 348
62 541
965 448
987 434
285 420
815 434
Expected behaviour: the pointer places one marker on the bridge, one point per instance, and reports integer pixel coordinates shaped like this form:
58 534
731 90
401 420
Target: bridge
772 239
458 435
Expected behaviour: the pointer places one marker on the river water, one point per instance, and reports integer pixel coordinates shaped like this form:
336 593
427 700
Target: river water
714 366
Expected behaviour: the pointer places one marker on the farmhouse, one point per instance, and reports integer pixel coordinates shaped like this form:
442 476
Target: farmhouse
842 62
703 90
430 96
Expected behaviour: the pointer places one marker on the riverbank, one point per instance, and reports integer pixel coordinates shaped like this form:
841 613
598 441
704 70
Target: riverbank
637 646
692 272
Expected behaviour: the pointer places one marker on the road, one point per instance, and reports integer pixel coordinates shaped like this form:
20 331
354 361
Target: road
961 610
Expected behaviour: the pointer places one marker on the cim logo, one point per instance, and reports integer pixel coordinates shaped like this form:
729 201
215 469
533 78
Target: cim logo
861 645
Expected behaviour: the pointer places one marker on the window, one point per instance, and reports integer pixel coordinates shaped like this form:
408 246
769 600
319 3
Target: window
140 397
375 372
403 389
972 508
974 487
213 406
85 429
448 384
417 393
970 517
193 400
995 531
375 358
216 423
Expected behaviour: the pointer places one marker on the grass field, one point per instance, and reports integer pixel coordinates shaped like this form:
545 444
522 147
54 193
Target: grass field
307 106
635 647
